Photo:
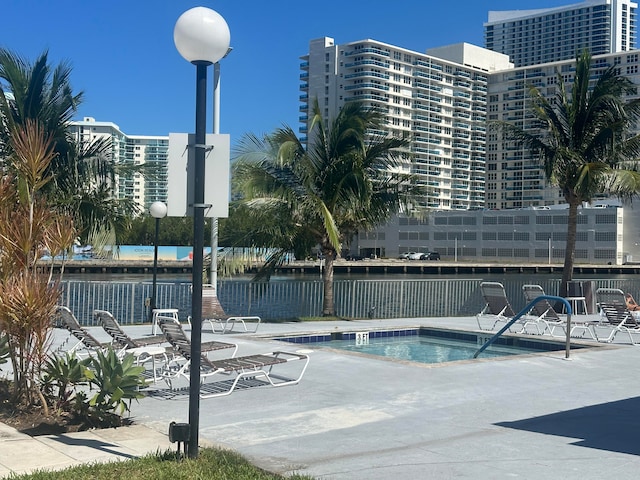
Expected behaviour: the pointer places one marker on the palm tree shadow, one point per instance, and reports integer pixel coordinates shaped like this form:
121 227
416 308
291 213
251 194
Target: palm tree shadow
611 426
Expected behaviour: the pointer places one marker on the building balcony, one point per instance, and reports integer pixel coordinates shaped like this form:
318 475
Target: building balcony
377 98
362 86
359 63
367 50
368 73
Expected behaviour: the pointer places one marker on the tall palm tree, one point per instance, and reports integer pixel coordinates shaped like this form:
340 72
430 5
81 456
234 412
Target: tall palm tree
347 180
82 176
582 138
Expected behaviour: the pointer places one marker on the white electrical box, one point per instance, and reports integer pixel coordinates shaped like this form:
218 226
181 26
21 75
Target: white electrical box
180 175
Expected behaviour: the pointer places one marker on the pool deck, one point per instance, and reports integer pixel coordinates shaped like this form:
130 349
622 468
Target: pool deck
357 417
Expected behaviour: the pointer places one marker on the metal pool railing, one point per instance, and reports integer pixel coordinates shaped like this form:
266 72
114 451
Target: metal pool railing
278 300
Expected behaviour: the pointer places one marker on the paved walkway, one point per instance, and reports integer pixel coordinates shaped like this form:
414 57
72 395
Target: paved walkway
356 417
22 453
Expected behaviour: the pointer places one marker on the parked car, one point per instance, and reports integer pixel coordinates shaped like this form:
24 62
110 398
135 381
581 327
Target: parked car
405 255
353 257
415 256
430 256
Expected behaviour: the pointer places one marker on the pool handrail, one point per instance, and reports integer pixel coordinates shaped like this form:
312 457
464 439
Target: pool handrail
523 312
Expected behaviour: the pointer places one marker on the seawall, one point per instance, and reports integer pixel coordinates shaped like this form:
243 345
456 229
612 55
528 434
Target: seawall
379 266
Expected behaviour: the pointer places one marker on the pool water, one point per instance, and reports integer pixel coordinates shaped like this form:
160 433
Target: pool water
426 345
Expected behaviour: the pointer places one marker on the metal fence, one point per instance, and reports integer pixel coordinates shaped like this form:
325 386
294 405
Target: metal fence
278 300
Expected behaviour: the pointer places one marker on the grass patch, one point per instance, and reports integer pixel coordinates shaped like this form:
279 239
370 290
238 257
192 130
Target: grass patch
212 463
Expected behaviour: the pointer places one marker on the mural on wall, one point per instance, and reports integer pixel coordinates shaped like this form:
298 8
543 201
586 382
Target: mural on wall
134 253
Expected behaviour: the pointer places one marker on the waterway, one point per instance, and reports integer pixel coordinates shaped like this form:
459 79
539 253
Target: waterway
294 277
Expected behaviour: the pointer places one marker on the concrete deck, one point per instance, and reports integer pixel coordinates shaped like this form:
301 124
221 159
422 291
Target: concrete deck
356 417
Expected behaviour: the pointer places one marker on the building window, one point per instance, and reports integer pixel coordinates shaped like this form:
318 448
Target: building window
605 236
605 219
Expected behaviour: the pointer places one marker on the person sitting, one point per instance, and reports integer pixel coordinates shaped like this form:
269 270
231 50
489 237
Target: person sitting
631 303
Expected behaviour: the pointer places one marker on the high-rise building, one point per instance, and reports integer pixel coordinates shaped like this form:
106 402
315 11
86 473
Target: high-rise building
133 150
443 100
514 177
438 99
531 37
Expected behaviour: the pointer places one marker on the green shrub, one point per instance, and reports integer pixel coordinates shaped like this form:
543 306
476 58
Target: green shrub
61 376
117 381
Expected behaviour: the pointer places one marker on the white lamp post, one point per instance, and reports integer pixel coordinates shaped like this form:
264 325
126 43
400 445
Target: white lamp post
202 37
216 130
157 210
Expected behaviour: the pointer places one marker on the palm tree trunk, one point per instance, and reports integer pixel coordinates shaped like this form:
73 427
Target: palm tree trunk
328 305
570 247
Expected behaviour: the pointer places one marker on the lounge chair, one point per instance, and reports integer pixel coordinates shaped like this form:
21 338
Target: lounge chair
213 313
87 343
497 309
113 328
239 372
543 310
547 315
618 318
143 349
118 336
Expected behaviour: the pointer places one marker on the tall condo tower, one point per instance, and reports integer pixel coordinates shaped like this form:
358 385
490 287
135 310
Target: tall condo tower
531 37
437 99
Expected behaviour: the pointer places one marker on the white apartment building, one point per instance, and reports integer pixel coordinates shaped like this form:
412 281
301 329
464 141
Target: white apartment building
531 37
131 150
439 99
514 178
443 100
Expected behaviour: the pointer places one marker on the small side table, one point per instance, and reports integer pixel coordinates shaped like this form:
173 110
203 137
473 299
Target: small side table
575 301
144 354
165 312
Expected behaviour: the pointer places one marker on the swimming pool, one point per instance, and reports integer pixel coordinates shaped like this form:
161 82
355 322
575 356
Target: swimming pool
427 345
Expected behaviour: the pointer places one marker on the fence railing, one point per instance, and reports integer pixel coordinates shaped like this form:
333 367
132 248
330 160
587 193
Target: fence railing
277 300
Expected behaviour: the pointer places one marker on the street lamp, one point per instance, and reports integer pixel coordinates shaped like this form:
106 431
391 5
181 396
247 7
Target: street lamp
157 210
202 37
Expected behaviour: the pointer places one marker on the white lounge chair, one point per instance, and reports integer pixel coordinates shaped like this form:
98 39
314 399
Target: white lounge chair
213 313
87 343
237 372
119 338
498 310
547 315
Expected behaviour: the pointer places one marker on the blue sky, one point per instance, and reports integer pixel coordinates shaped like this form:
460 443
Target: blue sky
124 60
